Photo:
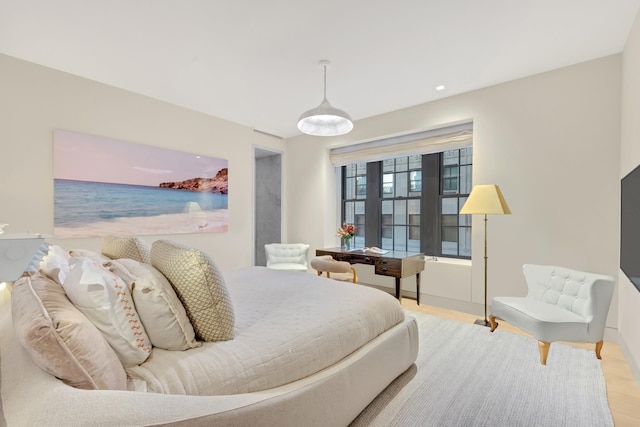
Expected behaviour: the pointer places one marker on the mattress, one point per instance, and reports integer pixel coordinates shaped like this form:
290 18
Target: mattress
289 325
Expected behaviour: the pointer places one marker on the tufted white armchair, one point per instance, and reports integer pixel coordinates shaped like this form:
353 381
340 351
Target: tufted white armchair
287 256
561 305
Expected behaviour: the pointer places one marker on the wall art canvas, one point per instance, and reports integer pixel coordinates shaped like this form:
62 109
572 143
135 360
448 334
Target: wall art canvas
106 186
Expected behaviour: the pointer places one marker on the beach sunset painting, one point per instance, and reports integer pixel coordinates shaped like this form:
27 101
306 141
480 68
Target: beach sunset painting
105 186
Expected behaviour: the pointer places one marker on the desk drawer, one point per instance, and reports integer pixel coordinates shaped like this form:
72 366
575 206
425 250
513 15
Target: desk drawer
389 267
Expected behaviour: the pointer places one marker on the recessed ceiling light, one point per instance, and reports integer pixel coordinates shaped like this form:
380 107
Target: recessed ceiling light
440 87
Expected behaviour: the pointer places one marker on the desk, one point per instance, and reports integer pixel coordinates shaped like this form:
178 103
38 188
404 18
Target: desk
396 264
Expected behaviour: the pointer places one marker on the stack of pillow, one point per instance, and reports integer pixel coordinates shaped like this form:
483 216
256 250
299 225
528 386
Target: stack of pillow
85 317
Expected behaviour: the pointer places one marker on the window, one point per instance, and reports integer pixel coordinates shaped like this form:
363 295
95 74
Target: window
411 203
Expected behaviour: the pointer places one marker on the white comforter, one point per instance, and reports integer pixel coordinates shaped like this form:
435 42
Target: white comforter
289 325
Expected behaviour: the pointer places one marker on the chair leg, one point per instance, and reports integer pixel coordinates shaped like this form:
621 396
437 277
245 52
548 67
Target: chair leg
598 348
319 273
544 351
494 324
355 275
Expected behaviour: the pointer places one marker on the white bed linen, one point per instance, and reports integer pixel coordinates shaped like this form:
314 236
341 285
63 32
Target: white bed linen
289 325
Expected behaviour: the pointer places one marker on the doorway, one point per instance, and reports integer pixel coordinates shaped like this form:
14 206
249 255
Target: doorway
267 212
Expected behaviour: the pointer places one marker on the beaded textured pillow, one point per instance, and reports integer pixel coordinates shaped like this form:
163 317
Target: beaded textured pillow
199 285
126 247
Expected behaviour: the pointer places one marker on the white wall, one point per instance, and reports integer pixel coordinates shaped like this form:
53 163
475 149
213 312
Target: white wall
630 158
36 100
551 141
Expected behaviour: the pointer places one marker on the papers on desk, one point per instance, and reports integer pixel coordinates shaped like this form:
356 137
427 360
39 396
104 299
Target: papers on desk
372 251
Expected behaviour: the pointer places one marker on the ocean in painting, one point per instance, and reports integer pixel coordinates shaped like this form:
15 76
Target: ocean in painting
81 203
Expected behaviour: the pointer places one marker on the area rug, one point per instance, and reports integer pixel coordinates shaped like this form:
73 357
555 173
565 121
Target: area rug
468 376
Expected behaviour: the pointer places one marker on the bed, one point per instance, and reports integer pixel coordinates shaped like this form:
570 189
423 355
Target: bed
307 351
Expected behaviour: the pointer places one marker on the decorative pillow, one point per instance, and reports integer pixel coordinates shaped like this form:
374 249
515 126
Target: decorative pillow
126 247
105 299
55 265
199 285
60 339
94 256
161 312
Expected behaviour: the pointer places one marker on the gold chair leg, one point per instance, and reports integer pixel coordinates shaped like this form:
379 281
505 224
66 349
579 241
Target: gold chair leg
319 273
355 275
598 348
544 351
494 324
328 275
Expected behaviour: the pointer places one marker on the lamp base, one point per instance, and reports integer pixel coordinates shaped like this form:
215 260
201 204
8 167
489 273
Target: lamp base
482 322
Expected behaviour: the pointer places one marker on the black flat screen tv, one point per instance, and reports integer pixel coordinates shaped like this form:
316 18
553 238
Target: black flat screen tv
630 226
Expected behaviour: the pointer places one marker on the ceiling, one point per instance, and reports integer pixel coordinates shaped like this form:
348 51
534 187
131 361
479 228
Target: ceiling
255 62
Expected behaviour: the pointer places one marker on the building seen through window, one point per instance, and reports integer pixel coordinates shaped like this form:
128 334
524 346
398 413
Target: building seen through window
411 203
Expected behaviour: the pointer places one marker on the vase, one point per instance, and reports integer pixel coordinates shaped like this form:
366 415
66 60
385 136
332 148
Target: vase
347 243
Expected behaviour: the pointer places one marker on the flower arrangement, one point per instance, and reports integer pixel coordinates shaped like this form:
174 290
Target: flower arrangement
346 232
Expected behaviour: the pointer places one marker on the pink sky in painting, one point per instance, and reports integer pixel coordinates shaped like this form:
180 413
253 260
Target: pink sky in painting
83 157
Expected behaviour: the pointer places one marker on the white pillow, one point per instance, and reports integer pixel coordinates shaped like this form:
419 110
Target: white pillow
55 265
162 314
104 298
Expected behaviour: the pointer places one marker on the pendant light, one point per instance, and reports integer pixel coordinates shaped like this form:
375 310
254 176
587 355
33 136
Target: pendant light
325 120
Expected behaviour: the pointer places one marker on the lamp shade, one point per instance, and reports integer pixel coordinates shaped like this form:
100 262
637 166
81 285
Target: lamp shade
486 199
325 120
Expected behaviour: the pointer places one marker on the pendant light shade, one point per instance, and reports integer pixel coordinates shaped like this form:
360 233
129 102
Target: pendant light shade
325 120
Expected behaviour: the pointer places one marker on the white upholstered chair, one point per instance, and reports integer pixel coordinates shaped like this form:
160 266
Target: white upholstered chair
338 270
561 305
287 256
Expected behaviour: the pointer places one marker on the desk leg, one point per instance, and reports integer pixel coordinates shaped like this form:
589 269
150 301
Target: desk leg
398 290
418 288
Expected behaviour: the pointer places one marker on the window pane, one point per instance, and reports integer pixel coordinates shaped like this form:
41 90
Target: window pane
466 157
361 187
388 165
361 168
350 170
400 238
449 220
450 241
465 220
465 242
415 162
387 209
414 239
350 192
415 183
402 164
414 211
402 185
450 157
465 179
400 212
349 212
387 185
450 206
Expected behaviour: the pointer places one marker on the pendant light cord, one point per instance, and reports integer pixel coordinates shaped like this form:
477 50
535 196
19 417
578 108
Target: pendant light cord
325 80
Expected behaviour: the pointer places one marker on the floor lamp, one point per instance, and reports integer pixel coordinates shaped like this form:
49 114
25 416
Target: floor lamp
486 200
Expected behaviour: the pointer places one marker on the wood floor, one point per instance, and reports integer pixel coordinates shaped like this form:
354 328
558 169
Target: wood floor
622 390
